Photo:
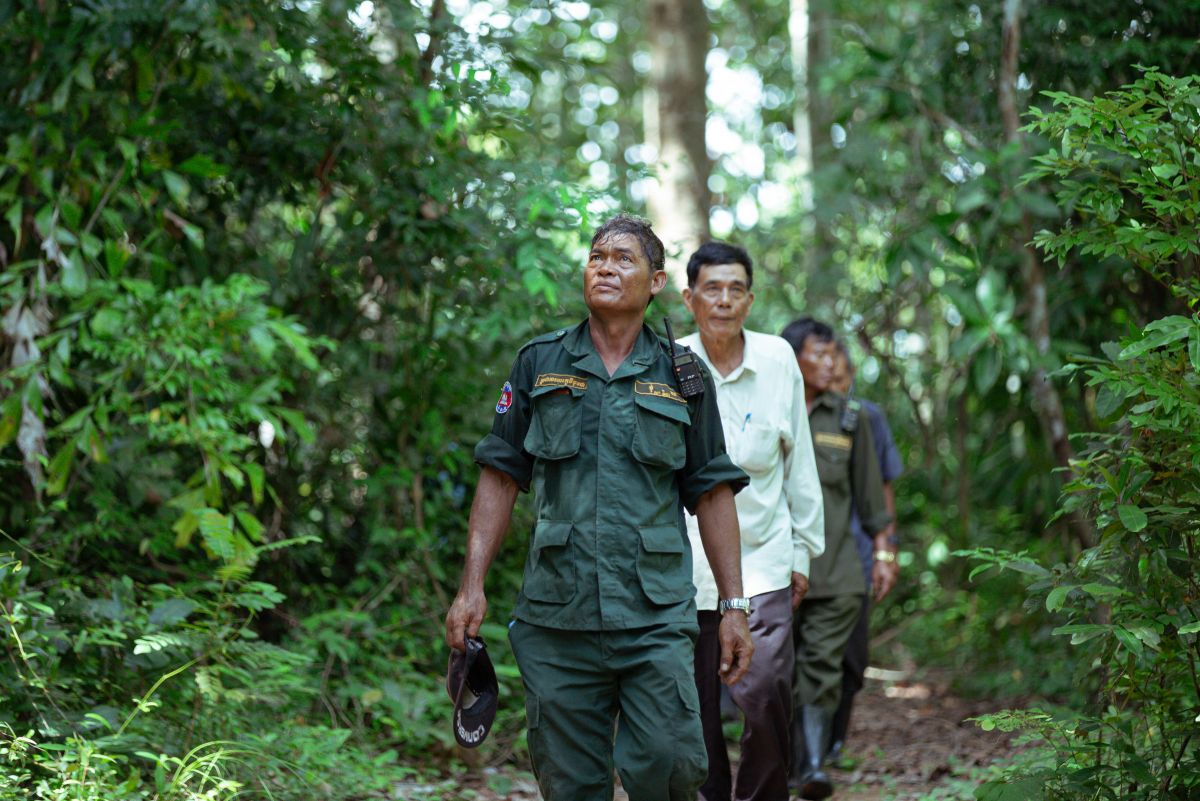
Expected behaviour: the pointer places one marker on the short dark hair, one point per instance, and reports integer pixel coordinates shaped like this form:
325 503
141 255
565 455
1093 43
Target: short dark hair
639 228
719 253
799 331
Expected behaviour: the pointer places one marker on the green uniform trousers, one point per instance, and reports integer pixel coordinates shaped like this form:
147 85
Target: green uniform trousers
580 685
821 630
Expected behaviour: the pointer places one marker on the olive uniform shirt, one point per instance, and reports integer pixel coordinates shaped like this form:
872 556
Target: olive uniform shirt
612 461
850 479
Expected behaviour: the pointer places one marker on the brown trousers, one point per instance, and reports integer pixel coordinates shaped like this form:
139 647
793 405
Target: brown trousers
764 695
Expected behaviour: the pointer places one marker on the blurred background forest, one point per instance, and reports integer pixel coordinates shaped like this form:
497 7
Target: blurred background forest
266 264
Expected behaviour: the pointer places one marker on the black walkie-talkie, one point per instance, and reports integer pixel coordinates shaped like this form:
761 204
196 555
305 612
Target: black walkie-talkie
850 412
687 368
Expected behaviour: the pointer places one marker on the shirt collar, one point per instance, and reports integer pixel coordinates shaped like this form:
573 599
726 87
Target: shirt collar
751 362
578 343
828 398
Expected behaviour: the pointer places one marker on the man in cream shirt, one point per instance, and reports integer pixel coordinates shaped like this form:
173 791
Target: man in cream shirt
760 393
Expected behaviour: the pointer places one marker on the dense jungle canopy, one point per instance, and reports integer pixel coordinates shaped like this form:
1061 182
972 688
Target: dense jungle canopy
265 266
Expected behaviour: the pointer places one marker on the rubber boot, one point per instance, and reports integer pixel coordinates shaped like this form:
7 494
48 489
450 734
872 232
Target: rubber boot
839 726
799 755
814 781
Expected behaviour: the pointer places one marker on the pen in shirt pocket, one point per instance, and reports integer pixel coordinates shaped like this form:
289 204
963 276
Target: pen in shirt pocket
747 420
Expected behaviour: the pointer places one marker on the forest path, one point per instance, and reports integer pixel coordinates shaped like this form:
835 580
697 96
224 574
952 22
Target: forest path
909 741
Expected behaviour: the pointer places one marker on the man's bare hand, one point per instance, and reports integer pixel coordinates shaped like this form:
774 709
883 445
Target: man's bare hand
464 618
736 646
883 578
799 589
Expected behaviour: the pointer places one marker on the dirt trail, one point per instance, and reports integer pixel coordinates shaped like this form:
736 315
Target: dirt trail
906 741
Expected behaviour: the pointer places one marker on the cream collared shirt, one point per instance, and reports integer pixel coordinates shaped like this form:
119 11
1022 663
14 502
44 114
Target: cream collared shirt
781 515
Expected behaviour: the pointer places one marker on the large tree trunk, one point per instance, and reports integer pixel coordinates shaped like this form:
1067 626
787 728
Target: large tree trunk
799 28
679 205
1048 404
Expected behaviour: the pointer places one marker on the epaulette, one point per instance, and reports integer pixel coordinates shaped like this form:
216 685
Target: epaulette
850 414
551 336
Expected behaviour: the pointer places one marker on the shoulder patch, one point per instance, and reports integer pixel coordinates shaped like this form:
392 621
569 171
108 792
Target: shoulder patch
505 402
658 390
839 441
560 380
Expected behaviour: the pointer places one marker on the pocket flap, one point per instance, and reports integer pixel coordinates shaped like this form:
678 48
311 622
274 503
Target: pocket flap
551 533
664 407
662 539
560 389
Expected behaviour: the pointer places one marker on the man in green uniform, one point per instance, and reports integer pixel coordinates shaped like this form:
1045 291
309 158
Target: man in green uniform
592 419
850 479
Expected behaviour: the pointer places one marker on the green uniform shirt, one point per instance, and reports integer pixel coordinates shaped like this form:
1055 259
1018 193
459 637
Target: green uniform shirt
612 461
850 475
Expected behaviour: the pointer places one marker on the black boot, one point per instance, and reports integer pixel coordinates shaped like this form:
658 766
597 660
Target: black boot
799 757
839 726
814 781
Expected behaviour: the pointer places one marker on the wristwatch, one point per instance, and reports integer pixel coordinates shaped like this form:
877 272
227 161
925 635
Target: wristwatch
885 556
739 604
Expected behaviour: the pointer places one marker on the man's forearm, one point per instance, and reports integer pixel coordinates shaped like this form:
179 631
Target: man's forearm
721 537
491 512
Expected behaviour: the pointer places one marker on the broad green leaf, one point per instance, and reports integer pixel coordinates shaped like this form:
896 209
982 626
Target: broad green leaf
14 216
1133 518
1103 591
250 524
1165 171
255 473
985 368
202 166
60 469
1126 638
1157 338
1082 632
10 418
74 278
83 76
184 528
217 531
298 424
1190 628
1025 566
1194 348
171 611
107 323
1056 597
177 187
1109 401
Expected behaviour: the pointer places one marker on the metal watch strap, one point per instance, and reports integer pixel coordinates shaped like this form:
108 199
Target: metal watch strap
739 604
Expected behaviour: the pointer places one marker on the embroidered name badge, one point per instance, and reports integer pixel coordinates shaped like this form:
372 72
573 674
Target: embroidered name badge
505 402
657 390
560 380
839 441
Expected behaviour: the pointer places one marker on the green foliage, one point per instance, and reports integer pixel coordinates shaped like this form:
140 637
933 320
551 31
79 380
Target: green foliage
259 261
1130 601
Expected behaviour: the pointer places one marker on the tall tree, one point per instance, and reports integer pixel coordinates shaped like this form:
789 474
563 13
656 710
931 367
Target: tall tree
678 36
1046 399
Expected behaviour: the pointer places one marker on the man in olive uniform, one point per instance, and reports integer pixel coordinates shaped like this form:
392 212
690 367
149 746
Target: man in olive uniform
876 555
593 420
850 479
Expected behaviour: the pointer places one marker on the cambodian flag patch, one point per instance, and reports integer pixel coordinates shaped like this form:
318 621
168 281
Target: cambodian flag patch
505 402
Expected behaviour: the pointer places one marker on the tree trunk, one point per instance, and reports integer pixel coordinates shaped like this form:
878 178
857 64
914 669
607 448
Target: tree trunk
1046 399
798 28
679 204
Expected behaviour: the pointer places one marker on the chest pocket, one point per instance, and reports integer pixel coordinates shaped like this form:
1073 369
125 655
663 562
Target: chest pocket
756 448
658 431
557 423
833 456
